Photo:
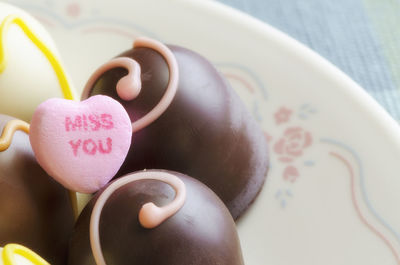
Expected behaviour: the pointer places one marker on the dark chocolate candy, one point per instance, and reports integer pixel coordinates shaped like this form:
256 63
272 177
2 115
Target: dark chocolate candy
206 132
202 232
35 210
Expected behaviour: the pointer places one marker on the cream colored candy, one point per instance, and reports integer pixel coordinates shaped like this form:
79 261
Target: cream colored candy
14 254
27 77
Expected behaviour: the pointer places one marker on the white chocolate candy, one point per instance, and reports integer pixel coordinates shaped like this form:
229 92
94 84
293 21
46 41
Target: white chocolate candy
27 77
14 254
20 259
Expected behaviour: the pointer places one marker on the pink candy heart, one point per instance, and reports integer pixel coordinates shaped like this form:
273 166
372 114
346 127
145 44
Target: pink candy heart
81 144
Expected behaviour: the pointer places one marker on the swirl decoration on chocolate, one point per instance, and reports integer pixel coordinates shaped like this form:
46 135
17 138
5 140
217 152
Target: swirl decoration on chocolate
53 60
128 87
8 132
11 250
150 215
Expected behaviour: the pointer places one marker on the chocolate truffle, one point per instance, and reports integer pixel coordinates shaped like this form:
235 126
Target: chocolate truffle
201 232
35 210
206 132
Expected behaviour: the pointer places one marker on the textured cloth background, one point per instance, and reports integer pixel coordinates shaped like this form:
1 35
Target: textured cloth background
361 37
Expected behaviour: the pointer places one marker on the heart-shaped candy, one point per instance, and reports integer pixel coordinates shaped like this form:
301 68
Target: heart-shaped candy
81 144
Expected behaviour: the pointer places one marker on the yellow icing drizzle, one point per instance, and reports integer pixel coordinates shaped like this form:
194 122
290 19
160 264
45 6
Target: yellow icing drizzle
10 250
9 130
55 63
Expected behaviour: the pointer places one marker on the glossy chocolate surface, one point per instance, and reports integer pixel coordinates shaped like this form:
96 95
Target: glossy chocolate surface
206 132
202 232
35 211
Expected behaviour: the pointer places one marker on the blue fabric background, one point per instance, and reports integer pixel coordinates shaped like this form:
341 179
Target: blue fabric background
358 36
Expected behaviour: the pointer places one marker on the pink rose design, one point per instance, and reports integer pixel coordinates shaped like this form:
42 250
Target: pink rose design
291 174
73 10
292 143
282 115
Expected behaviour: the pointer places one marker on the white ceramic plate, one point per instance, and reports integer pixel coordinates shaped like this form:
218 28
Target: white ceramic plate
332 193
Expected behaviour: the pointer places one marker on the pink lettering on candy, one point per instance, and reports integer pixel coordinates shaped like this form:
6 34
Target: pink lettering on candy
75 146
94 119
89 149
91 122
85 124
73 125
109 146
106 119
89 146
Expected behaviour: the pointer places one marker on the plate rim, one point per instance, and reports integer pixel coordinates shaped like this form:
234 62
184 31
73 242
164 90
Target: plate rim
358 95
